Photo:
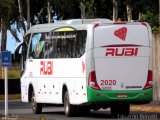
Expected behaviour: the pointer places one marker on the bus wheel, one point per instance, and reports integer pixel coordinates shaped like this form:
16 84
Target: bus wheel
36 107
68 108
120 109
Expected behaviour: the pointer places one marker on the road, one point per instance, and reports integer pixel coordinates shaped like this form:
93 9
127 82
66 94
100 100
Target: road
20 110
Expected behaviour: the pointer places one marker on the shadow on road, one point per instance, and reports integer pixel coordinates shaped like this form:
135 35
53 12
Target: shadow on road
93 114
106 115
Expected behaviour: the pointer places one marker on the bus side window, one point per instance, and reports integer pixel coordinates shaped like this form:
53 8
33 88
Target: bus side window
47 47
80 43
68 44
62 45
36 46
70 50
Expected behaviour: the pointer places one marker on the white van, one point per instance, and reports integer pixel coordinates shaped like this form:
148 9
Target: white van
88 64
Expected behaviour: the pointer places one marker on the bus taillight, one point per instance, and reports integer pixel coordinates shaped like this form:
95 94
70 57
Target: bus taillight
92 82
149 80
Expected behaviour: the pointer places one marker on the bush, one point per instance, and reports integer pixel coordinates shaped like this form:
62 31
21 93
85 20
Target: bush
151 18
155 29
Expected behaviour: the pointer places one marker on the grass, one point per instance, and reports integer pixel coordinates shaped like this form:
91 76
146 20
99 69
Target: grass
14 72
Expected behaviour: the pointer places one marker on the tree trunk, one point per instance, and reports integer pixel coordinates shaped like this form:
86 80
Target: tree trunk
4 36
49 12
21 16
159 11
14 34
115 10
82 7
20 9
156 67
140 15
28 14
129 13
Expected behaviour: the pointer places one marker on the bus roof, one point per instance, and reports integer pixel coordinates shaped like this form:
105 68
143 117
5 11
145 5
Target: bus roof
62 23
72 22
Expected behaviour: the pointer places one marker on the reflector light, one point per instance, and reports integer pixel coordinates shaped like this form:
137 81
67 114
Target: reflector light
83 66
144 23
95 25
149 80
92 82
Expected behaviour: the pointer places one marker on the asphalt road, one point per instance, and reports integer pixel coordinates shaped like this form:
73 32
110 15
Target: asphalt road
22 111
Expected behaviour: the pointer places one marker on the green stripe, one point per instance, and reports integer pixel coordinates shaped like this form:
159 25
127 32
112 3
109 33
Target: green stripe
134 96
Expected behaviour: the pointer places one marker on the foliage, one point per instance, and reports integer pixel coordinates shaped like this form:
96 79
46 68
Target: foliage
14 72
69 9
151 18
103 8
141 6
8 11
155 29
90 9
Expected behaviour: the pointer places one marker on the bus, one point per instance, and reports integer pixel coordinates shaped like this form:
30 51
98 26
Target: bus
87 64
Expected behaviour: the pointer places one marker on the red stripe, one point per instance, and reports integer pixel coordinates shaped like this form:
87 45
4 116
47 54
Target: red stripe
120 23
122 45
144 23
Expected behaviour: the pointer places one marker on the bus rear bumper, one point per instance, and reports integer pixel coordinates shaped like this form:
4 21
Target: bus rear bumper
131 96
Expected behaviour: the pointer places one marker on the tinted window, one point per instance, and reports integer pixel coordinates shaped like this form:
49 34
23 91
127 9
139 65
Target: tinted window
58 44
69 44
37 44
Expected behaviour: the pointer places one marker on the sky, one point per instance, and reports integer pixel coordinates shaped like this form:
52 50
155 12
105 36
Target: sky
11 42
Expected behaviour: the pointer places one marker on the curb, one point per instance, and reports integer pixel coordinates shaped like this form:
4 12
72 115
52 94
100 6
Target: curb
145 108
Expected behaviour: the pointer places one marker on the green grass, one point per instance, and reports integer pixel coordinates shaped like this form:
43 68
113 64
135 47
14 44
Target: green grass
14 72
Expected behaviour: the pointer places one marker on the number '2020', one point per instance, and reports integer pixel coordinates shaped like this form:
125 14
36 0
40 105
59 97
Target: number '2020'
108 82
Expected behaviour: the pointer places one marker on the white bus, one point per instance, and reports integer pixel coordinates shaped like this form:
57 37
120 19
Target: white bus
88 64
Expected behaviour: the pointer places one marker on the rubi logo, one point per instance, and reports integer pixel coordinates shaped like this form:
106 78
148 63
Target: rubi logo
121 33
121 51
46 67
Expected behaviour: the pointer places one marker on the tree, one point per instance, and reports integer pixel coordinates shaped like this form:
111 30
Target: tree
28 14
8 12
90 9
140 7
159 12
103 8
49 11
129 4
82 7
115 10
129 12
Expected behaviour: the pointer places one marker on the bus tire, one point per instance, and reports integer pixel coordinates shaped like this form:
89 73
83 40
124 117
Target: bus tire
120 109
36 107
68 108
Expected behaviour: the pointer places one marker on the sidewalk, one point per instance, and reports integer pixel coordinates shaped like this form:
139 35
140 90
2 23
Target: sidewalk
154 106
